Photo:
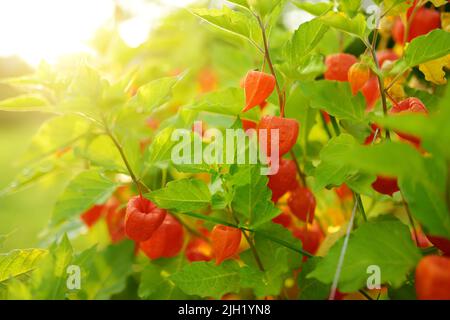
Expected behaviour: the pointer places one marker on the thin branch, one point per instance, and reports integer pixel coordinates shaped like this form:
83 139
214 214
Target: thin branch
269 62
299 170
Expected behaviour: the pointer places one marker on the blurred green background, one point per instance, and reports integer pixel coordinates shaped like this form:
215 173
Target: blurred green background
23 214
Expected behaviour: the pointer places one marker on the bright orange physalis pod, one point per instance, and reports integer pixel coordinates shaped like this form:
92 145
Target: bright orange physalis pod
287 133
433 278
166 241
142 218
358 75
225 242
258 87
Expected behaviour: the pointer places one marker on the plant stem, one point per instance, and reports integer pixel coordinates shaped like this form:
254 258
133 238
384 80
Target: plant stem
411 220
380 83
138 184
249 240
261 233
191 230
299 170
269 62
325 126
360 205
336 128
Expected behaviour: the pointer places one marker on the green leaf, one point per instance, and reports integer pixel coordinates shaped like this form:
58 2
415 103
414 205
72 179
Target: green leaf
182 195
103 153
26 102
385 243
426 198
351 7
161 148
18 263
253 199
332 170
310 288
354 26
108 271
156 92
205 279
85 190
304 40
55 134
316 9
425 48
262 283
235 22
335 98
155 281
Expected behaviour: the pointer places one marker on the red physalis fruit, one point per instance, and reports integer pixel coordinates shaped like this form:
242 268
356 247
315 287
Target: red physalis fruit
371 92
310 236
91 216
225 242
198 250
258 87
433 278
338 65
424 21
358 75
385 185
284 219
413 105
115 220
142 218
302 204
284 180
344 192
440 243
248 124
287 133
386 55
207 80
166 241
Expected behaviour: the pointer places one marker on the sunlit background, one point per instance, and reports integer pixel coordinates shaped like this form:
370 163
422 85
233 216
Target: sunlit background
48 29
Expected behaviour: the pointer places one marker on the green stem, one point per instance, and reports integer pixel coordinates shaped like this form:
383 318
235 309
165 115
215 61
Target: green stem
411 220
299 170
360 205
325 126
336 128
269 62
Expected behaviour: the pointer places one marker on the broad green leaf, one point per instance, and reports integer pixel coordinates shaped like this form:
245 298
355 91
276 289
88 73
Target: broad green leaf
102 152
310 288
252 200
304 40
18 263
351 7
426 198
108 271
354 26
232 21
332 170
155 281
85 190
49 281
205 279
182 195
161 148
262 283
26 102
229 101
425 48
335 98
156 92
54 135
316 8
385 243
